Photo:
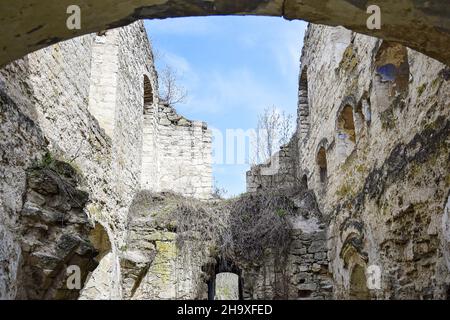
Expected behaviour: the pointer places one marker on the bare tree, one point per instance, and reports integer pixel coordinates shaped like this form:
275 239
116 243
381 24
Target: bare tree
171 92
274 129
218 191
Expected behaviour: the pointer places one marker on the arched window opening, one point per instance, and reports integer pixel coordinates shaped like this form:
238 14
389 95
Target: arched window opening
392 67
303 104
346 124
358 284
345 133
226 282
322 163
148 95
305 181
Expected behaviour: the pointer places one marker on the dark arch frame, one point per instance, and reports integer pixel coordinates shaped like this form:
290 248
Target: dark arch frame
322 160
224 265
391 65
148 95
346 124
416 24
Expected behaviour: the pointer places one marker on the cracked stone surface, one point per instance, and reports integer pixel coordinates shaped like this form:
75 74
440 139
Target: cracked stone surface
28 25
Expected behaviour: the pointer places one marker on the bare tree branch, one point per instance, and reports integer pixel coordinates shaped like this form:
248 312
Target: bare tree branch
274 129
171 92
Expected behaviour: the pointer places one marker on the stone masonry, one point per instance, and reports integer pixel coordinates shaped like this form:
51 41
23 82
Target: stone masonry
85 138
85 102
373 146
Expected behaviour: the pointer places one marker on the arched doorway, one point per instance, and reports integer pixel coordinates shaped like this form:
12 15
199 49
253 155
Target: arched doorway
358 284
226 283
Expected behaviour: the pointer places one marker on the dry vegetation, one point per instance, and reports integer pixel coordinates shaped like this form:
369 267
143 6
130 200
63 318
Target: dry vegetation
243 228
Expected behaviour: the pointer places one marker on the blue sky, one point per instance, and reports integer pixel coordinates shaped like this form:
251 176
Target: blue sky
233 68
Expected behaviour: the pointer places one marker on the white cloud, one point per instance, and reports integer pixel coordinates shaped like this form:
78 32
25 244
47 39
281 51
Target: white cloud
176 62
234 90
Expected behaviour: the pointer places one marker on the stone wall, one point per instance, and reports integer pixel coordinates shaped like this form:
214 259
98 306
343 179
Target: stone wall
373 146
184 155
160 261
302 272
177 154
381 113
280 171
22 144
155 265
48 93
91 102
54 233
423 25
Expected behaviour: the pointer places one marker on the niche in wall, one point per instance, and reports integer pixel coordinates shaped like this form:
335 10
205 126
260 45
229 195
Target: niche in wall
391 73
322 164
148 96
345 130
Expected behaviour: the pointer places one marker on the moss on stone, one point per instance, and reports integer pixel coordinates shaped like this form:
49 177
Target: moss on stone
349 60
345 190
388 119
166 254
421 89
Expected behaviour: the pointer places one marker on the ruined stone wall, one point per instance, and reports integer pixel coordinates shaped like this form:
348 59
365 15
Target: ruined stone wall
376 154
161 262
123 58
46 93
184 155
22 143
280 171
50 89
92 102
373 146
301 273
155 264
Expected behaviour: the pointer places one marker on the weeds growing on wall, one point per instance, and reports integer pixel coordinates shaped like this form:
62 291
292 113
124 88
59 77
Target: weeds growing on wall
244 228
259 222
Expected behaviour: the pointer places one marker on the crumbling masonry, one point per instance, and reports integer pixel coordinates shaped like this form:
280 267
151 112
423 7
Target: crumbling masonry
366 177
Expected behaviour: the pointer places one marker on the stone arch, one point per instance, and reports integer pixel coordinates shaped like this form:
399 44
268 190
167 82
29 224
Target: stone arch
358 283
391 69
352 237
345 129
321 160
413 23
230 273
148 96
354 258
303 104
